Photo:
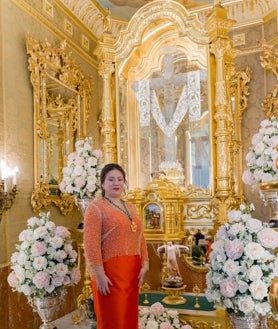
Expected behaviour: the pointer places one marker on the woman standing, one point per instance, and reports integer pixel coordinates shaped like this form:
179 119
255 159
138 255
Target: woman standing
116 253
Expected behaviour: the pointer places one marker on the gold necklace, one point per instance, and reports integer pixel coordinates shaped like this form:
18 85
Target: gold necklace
133 225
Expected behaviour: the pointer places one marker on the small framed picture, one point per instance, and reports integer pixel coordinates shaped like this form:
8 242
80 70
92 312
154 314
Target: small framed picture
153 217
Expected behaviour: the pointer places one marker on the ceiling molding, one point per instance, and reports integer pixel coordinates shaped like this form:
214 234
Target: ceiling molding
245 12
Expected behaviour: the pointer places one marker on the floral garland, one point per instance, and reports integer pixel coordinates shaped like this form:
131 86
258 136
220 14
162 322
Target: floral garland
45 261
263 154
158 317
242 264
81 175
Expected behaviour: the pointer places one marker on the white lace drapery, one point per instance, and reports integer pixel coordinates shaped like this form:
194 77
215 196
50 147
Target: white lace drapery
189 101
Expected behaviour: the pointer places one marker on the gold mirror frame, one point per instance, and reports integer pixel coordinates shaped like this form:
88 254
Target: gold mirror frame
61 95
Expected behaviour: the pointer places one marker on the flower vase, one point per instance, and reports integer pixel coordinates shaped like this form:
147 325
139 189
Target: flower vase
269 192
82 204
46 307
252 321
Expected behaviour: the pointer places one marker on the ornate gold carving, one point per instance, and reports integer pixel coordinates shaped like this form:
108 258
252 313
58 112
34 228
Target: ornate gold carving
107 121
65 203
214 321
158 27
269 61
168 198
61 110
40 197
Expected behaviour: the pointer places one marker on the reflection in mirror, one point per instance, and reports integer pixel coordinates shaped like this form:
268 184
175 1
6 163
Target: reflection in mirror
61 107
173 114
174 121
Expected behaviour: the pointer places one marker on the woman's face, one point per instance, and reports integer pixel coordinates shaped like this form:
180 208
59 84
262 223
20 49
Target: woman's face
113 184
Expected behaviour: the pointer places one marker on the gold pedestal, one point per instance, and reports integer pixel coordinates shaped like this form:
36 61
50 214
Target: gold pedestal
174 296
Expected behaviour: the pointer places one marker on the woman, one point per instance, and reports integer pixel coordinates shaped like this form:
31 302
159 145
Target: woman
116 253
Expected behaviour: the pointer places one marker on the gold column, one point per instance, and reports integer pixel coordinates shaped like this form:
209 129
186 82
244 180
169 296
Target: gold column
105 53
222 55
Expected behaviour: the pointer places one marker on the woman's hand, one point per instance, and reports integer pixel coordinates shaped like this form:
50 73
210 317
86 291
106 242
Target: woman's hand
103 283
141 275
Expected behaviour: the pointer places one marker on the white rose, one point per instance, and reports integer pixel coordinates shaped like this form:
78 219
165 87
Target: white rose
262 308
255 273
246 304
231 267
254 250
258 289
152 325
253 225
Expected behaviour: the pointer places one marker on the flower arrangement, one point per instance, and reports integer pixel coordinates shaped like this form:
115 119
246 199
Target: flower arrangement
263 154
81 175
45 261
158 317
242 264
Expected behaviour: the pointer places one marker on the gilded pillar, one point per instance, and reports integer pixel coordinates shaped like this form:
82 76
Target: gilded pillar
105 53
222 55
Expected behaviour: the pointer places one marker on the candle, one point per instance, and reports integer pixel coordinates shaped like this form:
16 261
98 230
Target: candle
4 170
5 185
15 171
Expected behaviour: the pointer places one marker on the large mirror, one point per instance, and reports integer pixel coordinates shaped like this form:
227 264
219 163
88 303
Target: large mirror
163 100
173 111
61 107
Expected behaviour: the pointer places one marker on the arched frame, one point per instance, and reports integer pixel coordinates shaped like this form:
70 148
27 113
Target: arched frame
137 54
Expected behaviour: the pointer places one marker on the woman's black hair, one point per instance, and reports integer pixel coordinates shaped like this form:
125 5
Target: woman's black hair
105 170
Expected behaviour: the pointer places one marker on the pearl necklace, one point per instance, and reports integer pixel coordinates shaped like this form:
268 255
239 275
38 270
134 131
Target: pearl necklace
133 225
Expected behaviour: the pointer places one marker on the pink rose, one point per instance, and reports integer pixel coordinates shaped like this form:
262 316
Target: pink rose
38 248
222 232
248 177
80 161
268 238
61 269
75 275
157 309
166 325
79 182
41 280
234 249
12 279
62 232
58 281
228 288
98 153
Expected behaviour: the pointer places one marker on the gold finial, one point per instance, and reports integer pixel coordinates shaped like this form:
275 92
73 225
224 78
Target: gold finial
145 288
196 291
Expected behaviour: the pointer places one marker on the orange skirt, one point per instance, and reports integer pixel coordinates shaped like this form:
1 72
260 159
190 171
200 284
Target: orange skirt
119 309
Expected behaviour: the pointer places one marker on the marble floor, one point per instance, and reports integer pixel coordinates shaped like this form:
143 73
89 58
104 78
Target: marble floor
66 322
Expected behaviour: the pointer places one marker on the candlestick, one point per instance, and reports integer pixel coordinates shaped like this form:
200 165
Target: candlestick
196 291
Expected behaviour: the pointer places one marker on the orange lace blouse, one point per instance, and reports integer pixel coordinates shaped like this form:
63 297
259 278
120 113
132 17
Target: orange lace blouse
107 234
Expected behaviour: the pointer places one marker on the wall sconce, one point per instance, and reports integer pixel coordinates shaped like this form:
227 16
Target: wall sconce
6 196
